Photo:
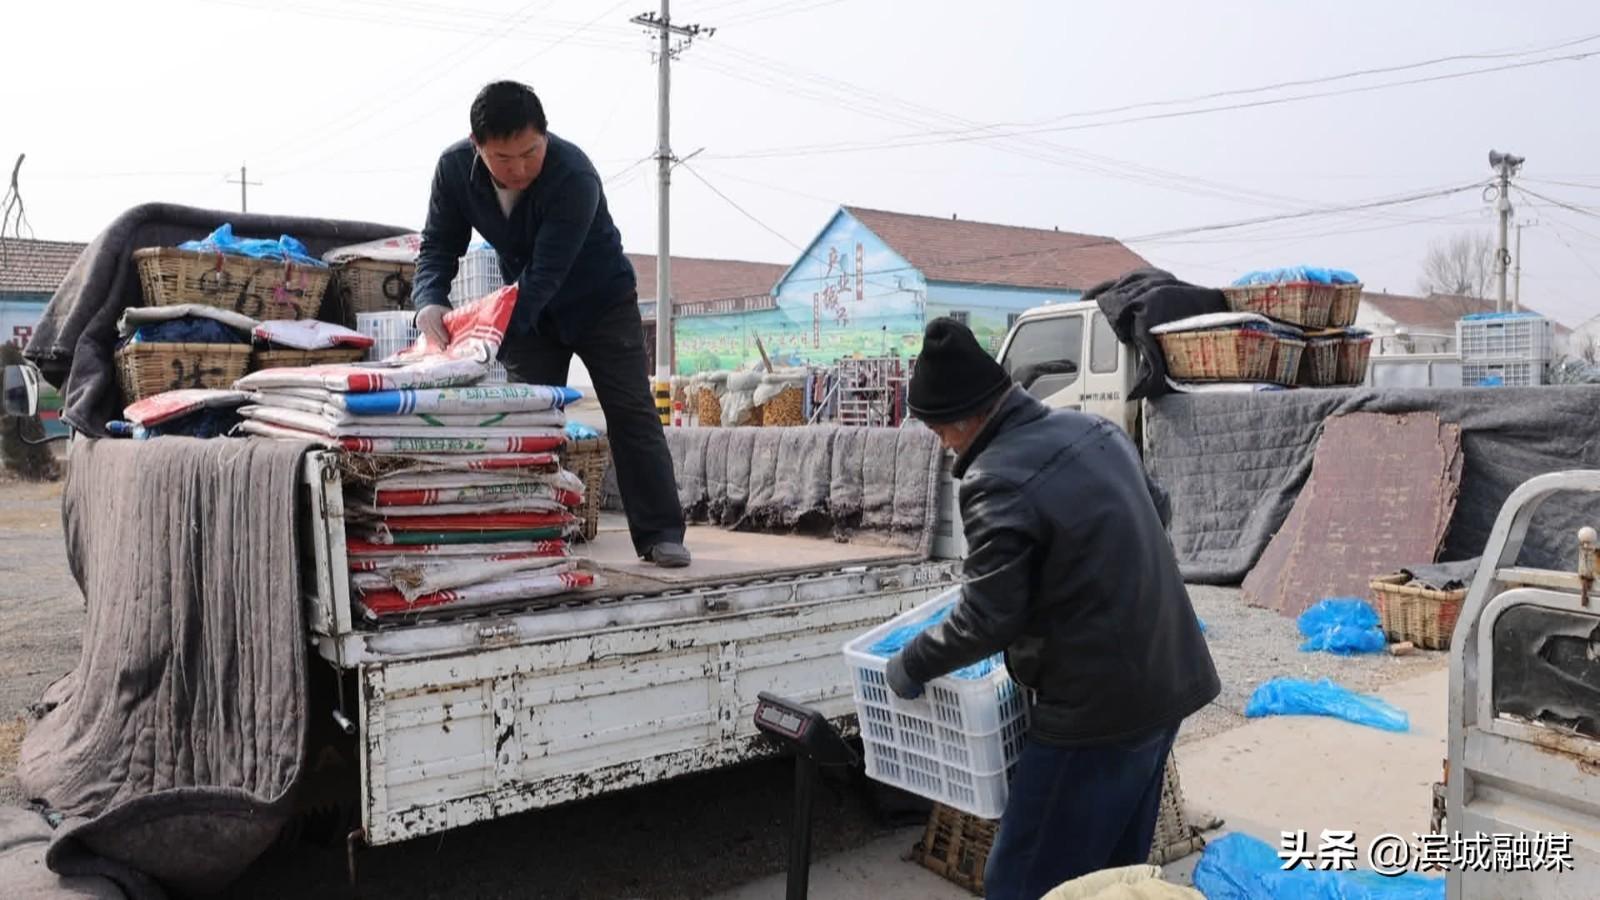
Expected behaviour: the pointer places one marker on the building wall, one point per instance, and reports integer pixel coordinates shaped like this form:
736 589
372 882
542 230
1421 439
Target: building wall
989 310
849 294
1388 343
19 313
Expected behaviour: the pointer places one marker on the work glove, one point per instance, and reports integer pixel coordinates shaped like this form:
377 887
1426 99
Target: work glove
430 321
904 686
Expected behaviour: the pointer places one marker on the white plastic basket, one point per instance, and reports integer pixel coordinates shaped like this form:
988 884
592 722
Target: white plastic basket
956 744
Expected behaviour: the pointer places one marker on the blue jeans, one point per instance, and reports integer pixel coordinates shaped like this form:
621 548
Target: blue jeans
1076 810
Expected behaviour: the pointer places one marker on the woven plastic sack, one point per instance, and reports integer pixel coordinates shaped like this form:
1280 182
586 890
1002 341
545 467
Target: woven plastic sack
309 334
1342 625
1298 697
1240 867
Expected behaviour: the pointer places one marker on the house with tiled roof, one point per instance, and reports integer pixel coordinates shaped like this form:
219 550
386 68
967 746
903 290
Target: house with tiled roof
702 287
1403 324
871 279
30 272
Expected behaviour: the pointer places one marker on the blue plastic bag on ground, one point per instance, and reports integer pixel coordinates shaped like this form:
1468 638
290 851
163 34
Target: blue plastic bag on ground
284 248
896 640
1342 625
1240 867
1298 697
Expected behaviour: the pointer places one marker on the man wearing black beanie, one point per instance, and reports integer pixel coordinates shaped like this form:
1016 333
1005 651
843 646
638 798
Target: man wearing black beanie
1070 573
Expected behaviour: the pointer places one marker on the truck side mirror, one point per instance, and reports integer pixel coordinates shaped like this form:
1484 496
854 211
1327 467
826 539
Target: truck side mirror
1029 374
19 391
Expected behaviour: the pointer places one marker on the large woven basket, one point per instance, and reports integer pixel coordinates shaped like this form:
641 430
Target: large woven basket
1302 303
259 288
1219 354
1354 352
1286 353
280 359
370 285
1346 304
956 845
1423 616
587 459
1319 364
147 369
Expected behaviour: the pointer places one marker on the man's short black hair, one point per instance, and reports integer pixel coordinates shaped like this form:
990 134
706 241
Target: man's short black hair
505 108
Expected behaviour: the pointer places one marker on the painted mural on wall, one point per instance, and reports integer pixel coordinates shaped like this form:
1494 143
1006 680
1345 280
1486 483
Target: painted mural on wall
850 295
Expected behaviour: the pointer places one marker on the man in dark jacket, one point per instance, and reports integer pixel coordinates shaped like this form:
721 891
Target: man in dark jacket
1070 573
538 201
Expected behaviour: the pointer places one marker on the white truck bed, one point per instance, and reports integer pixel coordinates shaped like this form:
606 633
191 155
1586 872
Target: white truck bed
467 718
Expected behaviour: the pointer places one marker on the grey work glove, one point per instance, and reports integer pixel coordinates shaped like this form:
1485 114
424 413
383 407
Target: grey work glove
904 686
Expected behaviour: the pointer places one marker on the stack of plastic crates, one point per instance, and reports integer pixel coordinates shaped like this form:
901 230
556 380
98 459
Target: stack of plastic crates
956 744
1505 349
478 274
392 332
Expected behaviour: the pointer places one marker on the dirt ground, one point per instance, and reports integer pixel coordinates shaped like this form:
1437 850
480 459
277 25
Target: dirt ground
686 838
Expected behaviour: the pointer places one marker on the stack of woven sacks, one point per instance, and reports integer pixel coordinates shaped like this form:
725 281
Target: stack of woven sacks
455 496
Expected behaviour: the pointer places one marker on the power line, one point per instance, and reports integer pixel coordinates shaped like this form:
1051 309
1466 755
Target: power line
953 137
778 13
1571 184
1580 210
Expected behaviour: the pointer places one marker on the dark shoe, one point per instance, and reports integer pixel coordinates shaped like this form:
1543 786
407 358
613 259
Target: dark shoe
668 555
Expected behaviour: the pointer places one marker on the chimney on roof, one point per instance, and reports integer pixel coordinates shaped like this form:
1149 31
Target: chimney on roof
952 217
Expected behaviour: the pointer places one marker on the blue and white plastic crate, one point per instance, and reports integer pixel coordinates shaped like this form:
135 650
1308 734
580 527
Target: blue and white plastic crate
956 744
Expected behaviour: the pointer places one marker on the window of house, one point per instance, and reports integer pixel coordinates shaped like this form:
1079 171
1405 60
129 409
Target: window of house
1046 354
962 316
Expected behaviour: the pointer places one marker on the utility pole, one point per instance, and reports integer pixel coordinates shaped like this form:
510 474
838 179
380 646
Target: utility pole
664 31
244 185
1507 165
1516 289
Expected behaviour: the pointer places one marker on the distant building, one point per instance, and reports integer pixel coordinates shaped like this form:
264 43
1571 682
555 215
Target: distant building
1403 324
30 272
702 287
870 281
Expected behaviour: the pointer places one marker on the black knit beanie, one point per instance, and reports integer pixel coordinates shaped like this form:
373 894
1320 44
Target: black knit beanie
954 378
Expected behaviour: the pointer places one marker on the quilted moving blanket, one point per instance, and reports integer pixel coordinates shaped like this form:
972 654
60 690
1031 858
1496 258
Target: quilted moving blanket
172 748
1234 464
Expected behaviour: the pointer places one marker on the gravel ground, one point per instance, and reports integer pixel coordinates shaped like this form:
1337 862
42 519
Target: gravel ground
680 839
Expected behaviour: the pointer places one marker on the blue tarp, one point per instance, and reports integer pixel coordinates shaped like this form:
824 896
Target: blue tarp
895 640
1298 697
284 248
1296 274
1342 625
1490 316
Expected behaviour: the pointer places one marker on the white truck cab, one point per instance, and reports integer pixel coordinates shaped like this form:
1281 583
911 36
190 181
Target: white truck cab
1066 355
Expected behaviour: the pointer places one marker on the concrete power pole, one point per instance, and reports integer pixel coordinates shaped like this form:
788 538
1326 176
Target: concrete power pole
1516 284
664 31
244 185
1507 165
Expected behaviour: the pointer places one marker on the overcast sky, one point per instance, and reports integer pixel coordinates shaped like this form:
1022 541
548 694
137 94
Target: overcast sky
341 106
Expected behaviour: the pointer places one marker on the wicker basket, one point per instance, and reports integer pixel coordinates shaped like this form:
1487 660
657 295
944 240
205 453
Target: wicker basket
708 408
369 285
1422 616
1300 303
258 288
279 359
1319 364
956 845
587 459
147 369
1219 354
787 409
1286 354
1354 352
1346 304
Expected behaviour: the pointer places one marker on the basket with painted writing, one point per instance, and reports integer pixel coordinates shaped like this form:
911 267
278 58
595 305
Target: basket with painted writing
1302 303
371 285
147 369
1219 354
1354 351
279 359
1346 304
259 288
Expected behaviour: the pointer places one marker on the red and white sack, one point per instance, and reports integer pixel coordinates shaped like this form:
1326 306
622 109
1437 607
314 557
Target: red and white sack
169 405
476 332
309 421
430 578
525 443
400 249
485 399
310 334
379 604
337 416
363 552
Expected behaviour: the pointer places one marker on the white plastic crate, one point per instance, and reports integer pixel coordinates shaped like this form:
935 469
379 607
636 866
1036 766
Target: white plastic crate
956 744
1502 373
1514 336
394 331
477 274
